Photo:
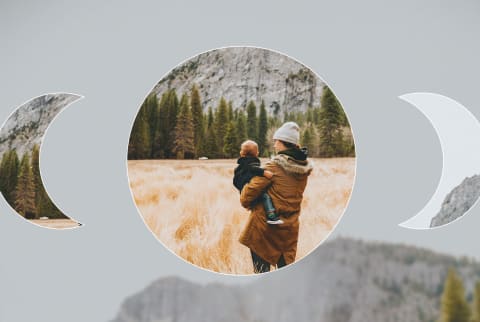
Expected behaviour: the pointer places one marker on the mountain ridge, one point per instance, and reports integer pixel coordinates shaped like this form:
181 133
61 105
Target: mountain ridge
26 126
343 280
242 74
458 201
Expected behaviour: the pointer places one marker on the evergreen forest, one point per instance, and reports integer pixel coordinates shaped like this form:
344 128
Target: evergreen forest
169 126
21 186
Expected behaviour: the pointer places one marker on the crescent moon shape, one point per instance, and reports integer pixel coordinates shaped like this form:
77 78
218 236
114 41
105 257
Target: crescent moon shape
21 138
459 133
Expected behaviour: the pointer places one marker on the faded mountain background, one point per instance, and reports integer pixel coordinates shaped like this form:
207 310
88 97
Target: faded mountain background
243 74
344 280
458 201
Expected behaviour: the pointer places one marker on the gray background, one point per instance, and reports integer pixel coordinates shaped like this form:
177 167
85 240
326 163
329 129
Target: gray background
113 53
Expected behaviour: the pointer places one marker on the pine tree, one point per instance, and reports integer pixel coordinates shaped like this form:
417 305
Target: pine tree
241 128
3 172
235 115
454 306
476 304
139 143
330 125
210 118
44 206
348 143
208 144
161 129
9 168
230 111
230 148
197 115
307 140
343 116
310 116
221 122
4 175
262 130
40 192
316 116
252 121
211 147
274 122
25 190
172 112
300 118
151 114
184 133
165 120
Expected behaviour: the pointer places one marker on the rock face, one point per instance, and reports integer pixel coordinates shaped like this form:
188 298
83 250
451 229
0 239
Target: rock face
458 201
344 280
241 74
27 125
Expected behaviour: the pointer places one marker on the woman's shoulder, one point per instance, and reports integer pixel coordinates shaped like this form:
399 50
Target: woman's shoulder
293 166
270 164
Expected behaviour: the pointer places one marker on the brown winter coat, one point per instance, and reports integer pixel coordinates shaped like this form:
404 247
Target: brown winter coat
286 190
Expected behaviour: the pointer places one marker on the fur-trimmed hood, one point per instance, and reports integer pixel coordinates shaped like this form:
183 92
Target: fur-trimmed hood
293 166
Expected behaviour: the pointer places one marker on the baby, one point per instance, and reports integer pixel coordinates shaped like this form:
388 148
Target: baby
248 167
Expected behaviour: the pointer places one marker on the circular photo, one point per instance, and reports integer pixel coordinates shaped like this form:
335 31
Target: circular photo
241 160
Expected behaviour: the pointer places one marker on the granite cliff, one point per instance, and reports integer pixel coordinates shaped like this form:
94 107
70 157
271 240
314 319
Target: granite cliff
26 126
458 201
241 74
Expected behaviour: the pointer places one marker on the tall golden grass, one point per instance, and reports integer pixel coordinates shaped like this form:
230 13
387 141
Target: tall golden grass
194 210
55 223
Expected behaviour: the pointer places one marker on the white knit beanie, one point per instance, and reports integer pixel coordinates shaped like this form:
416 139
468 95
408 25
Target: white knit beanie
288 132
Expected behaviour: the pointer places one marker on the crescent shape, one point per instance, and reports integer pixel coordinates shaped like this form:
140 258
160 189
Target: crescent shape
459 133
21 137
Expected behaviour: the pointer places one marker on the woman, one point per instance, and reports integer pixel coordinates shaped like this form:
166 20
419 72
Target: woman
277 245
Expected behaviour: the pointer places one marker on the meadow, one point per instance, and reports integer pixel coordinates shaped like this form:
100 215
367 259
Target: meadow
192 207
55 223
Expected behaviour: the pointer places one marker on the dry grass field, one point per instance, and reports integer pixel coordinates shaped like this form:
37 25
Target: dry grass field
55 223
194 210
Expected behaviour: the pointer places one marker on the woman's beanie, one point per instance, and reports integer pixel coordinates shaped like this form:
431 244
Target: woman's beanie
288 132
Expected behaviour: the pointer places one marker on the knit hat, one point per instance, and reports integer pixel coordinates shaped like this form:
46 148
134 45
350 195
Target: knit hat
288 132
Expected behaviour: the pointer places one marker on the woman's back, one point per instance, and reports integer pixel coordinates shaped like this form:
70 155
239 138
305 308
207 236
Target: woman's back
288 183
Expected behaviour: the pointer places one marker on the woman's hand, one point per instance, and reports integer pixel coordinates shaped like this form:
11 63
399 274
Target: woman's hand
267 174
253 190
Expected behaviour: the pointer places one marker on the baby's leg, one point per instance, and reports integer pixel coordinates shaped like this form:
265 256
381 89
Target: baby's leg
272 217
268 205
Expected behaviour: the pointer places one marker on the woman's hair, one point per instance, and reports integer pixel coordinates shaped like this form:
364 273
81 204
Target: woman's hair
289 145
249 148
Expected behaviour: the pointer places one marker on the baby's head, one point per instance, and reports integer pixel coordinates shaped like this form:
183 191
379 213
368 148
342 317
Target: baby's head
249 148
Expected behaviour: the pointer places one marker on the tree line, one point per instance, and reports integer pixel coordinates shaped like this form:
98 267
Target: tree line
172 128
21 186
454 305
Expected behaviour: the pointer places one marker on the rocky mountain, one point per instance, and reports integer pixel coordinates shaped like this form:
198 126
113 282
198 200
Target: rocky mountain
241 74
28 123
458 201
344 280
